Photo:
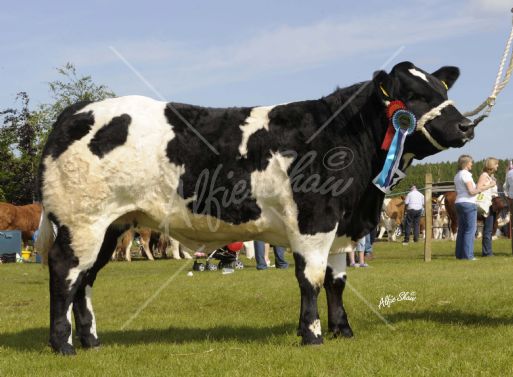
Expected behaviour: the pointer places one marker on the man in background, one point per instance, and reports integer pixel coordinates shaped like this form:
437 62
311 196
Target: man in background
414 203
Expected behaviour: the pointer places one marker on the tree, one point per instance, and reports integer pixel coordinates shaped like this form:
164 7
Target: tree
18 152
23 132
67 91
444 172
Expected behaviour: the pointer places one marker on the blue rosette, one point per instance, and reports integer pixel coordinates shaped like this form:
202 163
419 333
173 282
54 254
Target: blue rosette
404 123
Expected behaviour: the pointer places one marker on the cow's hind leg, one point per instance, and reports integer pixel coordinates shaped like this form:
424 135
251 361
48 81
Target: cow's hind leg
64 279
334 284
85 322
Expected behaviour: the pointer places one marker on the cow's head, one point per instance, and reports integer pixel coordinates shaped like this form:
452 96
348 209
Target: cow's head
422 92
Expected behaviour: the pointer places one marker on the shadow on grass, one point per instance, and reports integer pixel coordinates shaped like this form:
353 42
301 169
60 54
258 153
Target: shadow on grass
35 339
451 317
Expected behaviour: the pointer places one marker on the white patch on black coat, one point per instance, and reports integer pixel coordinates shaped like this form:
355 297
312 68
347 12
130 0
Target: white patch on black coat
315 328
89 305
258 119
418 73
68 318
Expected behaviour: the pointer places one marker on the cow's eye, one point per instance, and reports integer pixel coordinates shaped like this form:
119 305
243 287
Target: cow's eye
417 97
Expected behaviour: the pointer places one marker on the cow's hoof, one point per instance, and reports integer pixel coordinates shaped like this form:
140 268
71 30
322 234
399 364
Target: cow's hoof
344 332
65 349
90 342
311 340
347 332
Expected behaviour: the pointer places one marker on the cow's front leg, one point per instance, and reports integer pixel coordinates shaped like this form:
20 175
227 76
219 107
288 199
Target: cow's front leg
334 284
310 270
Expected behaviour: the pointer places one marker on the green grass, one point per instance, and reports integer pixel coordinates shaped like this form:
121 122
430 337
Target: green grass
243 324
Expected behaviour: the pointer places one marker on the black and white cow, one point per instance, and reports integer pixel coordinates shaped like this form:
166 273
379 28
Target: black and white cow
268 174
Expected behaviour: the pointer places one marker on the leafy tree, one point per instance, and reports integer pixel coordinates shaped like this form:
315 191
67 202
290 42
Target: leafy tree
23 132
444 172
18 152
66 91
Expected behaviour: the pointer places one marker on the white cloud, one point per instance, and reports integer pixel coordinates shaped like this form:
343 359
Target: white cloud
492 6
284 48
289 48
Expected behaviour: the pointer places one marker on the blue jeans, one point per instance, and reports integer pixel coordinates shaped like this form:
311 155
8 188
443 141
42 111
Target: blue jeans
279 253
368 244
412 220
364 244
467 225
487 234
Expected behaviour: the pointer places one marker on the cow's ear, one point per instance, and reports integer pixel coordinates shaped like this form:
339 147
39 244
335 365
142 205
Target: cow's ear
383 84
447 75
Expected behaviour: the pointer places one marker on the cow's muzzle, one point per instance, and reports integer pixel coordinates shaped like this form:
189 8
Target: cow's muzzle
465 125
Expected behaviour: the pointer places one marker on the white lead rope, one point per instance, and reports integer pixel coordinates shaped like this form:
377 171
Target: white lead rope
500 81
429 116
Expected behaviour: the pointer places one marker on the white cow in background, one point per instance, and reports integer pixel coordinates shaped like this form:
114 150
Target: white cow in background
440 218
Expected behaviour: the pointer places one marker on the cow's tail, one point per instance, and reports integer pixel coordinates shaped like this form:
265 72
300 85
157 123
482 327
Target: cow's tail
45 238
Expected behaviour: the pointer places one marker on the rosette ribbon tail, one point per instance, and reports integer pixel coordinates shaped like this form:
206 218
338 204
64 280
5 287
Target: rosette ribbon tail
404 123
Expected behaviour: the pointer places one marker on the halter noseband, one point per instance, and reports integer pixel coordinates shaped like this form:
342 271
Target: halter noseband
429 116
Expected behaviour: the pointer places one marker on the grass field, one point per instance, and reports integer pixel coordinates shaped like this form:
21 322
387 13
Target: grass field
243 324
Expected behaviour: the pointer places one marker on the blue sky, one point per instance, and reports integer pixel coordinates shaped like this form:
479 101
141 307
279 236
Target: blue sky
236 53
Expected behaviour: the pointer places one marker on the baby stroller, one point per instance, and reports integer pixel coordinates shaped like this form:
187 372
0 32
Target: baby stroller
228 257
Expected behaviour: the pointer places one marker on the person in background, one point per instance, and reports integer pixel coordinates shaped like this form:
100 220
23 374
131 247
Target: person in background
414 203
369 240
508 190
466 208
360 248
279 255
486 178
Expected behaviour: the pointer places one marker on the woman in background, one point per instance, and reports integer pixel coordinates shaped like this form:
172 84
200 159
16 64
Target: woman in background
485 202
466 208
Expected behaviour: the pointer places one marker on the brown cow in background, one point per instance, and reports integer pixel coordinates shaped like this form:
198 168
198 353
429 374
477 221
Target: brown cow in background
392 215
498 205
125 244
25 218
149 240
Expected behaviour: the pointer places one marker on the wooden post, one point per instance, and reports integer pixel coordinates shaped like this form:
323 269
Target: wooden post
510 204
428 210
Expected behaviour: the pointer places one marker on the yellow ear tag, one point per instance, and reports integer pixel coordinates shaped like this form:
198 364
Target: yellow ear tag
383 90
446 87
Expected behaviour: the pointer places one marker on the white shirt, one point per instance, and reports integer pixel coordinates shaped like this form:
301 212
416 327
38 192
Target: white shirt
508 185
460 181
414 200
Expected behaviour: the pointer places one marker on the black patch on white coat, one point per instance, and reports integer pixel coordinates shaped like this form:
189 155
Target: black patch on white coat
213 178
110 136
68 128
